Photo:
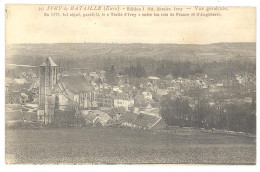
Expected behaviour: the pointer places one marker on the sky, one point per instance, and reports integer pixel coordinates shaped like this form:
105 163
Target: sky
26 24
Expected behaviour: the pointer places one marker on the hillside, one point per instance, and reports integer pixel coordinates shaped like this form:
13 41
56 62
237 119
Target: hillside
95 55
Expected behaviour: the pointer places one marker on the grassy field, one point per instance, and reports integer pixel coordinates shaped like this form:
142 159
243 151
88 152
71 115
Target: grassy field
124 146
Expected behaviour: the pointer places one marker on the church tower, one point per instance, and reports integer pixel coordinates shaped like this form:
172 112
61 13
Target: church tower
48 79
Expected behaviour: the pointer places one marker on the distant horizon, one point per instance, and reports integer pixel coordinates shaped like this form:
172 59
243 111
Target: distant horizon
130 43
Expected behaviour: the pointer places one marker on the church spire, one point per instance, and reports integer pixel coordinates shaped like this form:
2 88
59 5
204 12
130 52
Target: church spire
48 62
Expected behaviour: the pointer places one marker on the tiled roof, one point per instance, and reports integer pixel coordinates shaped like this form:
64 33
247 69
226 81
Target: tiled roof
122 96
129 117
146 120
76 84
20 81
95 113
160 125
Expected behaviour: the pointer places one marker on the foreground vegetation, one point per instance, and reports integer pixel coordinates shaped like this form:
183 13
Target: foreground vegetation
120 145
239 118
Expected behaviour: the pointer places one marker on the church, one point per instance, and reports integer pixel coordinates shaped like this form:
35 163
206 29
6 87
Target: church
63 96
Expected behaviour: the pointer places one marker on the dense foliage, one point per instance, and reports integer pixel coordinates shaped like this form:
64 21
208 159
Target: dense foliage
177 112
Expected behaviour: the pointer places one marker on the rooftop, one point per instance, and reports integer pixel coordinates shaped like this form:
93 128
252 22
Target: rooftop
153 77
76 84
48 62
146 120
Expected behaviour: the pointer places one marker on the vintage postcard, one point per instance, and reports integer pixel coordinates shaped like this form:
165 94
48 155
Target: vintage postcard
107 84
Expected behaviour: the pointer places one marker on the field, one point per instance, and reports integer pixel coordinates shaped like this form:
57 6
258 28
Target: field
124 146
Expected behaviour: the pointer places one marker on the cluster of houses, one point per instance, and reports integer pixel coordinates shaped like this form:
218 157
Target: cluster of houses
52 97
22 90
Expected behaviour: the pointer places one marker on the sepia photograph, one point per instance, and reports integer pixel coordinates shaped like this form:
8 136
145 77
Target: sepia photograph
118 84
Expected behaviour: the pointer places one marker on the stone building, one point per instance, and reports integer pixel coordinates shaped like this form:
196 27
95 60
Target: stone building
48 79
60 99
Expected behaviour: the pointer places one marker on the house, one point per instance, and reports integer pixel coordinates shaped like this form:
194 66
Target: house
95 117
159 125
19 84
94 75
123 100
34 88
141 102
201 83
150 110
128 119
95 85
162 92
20 81
144 121
153 79
105 100
169 77
120 79
116 112
117 89
147 95
24 97
219 84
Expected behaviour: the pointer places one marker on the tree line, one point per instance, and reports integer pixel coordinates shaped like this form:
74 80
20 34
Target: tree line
234 117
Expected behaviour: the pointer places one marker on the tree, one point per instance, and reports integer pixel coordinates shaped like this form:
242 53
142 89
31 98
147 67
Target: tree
111 75
135 71
176 111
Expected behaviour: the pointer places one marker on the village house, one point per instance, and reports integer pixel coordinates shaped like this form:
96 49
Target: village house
120 79
169 77
123 100
95 86
19 84
128 119
153 79
117 89
201 83
34 88
151 109
20 81
147 95
93 75
141 102
144 121
116 113
162 92
95 117
105 100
